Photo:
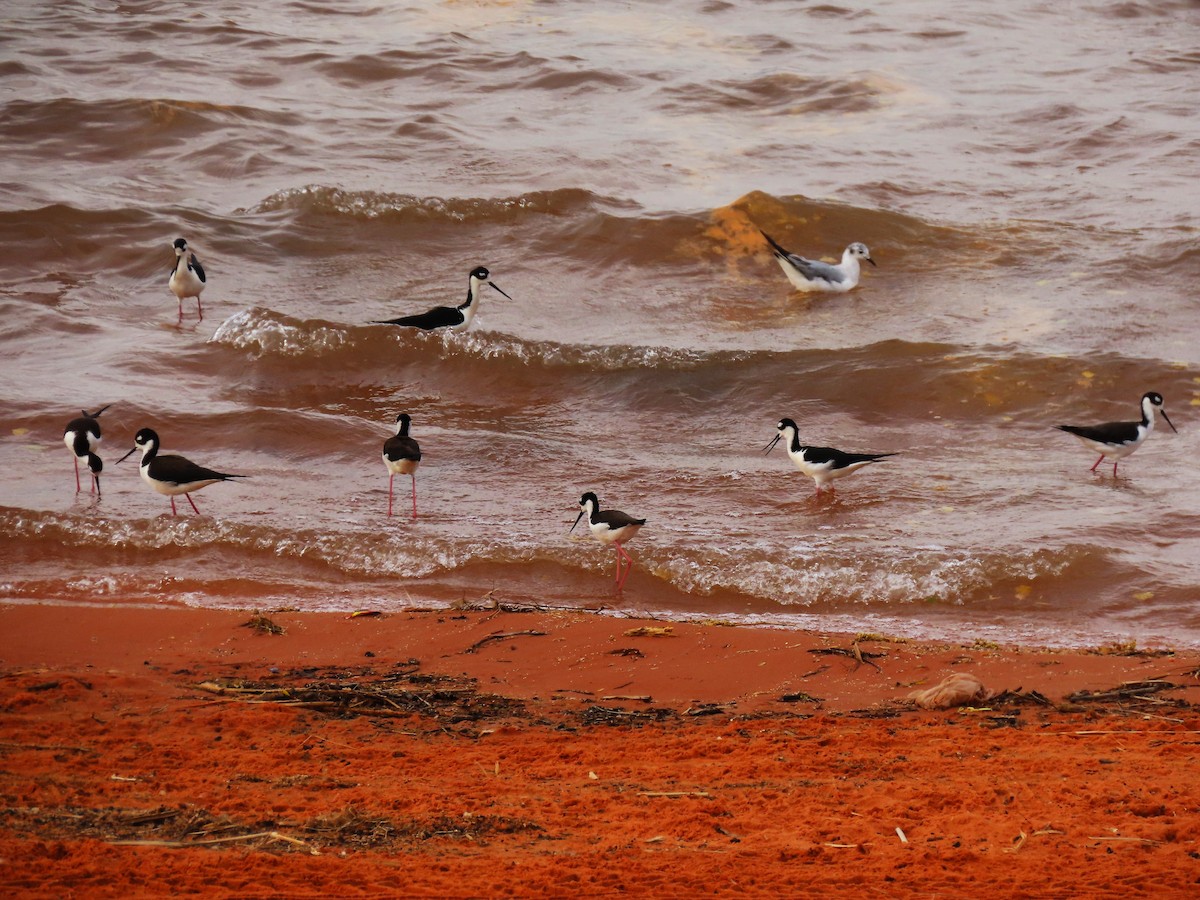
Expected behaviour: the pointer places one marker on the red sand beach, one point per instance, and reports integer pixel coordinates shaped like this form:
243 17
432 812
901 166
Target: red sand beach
495 753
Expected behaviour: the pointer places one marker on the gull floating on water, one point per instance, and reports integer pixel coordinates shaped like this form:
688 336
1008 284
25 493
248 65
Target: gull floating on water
814 275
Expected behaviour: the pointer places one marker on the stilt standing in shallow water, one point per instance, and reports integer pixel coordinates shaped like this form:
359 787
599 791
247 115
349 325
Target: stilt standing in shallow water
1119 439
610 527
171 475
82 437
402 456
456 318
187 278
821 464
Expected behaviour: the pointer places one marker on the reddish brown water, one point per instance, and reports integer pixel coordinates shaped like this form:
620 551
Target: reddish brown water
1022 175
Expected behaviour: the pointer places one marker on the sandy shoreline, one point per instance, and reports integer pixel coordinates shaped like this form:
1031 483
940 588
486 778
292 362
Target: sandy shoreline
545 753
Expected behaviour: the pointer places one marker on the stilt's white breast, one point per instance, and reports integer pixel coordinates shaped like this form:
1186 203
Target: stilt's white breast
184 282
607 535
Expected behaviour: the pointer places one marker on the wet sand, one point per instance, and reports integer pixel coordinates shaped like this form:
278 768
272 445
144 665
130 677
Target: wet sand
491 753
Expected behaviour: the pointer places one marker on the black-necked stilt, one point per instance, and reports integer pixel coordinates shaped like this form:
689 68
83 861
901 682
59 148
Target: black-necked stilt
1119 439
402 455
456 318
171 475
187 278
814 275
610 526
821 464
82 437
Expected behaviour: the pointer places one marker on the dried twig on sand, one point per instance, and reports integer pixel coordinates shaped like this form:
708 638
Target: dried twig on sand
396 695
501 637
179 845
674 794
1021 697
855 653
1130 690
612 715
651 631
261 624
799 697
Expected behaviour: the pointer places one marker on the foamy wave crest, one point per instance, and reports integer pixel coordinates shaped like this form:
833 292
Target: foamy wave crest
367 555
264 332
316 199
158 540
267 333
820 576
617 357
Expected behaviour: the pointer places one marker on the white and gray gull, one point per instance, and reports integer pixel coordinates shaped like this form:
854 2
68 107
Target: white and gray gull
814 275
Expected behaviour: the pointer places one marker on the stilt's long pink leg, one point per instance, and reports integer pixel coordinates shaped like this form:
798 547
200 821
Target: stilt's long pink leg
621 579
